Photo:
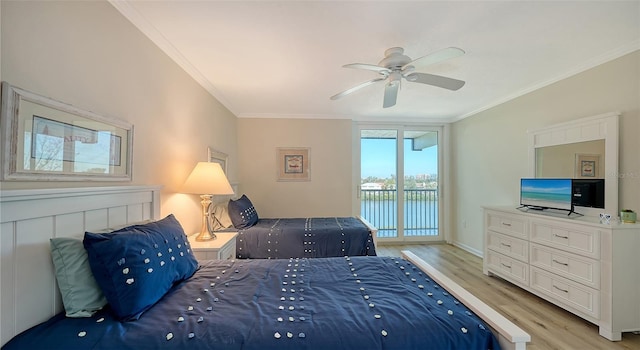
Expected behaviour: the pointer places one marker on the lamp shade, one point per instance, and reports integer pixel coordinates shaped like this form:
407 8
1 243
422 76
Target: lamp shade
207 178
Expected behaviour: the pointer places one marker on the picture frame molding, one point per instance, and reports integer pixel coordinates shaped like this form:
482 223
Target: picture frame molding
10 120
218 157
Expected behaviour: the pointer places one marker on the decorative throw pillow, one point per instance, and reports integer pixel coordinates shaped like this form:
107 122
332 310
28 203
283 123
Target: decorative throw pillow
137 265
120 227
242 212
81 295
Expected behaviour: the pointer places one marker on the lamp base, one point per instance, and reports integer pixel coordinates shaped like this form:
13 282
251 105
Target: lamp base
206 236
206 233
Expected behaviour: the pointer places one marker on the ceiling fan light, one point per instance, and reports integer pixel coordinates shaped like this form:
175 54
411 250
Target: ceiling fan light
411 77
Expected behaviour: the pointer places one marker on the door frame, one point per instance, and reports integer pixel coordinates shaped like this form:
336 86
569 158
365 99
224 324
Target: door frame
444 174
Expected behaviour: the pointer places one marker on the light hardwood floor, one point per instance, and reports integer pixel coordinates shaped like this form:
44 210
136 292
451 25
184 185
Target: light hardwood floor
550 326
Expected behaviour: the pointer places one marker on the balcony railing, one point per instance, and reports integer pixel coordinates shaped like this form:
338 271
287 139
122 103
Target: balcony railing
420 211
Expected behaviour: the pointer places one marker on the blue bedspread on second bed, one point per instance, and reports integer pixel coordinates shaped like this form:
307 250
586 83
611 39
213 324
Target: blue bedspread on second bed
305 238
333 303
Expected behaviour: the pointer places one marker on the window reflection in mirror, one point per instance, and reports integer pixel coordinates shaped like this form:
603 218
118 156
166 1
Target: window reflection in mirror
562 160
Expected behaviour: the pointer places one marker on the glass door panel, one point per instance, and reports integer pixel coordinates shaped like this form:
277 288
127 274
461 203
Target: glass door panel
420 185
378 180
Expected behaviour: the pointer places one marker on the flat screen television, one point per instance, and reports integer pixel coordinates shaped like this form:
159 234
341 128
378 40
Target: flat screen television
588 193
546 193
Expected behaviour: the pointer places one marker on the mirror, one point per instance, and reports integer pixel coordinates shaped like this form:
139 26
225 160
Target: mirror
574 160
585 148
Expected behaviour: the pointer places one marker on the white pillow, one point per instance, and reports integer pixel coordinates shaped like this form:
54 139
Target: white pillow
220 216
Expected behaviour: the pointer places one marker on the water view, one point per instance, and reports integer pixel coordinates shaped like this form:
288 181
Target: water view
381 150
420 212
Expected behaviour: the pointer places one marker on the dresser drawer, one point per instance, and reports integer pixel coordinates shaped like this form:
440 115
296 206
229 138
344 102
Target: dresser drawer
574 239
512 269
508 224
575 296
574 267
508 245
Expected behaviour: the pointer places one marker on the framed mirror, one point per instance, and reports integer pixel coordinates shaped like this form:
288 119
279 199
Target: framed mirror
586 148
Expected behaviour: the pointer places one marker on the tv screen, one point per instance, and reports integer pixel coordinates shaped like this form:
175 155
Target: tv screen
588 193
546 193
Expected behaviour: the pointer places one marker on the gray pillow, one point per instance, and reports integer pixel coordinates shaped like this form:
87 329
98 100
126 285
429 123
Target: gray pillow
221 217
81 295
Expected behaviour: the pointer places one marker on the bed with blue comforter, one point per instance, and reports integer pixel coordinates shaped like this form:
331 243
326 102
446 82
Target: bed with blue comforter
283 238
363 302
305 238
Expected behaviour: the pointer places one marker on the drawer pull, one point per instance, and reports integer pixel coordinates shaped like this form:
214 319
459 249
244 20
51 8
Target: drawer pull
505 265
506 245
564 237
506 224
561 263
560 289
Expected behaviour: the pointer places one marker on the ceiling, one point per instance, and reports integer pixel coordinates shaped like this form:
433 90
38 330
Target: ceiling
283 59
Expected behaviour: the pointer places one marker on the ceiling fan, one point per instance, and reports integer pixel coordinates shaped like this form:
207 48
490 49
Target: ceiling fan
395 66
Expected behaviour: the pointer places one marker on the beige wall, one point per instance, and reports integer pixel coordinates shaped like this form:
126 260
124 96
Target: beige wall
490 149
329 191
88 55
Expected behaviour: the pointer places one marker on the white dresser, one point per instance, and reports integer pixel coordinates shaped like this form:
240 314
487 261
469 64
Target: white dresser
588 268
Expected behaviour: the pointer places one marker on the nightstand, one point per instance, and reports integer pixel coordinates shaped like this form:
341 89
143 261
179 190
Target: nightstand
221 248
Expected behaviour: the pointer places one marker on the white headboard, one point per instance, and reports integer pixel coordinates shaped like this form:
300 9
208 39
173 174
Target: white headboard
29 218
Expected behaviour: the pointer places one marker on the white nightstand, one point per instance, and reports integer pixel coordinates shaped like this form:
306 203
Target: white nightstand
221 248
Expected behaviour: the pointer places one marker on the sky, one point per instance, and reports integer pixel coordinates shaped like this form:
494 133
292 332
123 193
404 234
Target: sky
378 158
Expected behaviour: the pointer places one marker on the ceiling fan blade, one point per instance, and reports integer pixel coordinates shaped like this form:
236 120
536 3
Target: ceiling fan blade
357 87
390 94
435 57
436 80
372 67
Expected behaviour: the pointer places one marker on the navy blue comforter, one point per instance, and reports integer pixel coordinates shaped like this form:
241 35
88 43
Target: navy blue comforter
305 238
332 303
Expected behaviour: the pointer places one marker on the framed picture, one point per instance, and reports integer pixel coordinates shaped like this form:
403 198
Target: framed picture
293 164
47 140
218 157
587 166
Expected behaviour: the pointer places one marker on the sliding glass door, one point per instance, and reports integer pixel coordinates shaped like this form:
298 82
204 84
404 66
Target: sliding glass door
399 182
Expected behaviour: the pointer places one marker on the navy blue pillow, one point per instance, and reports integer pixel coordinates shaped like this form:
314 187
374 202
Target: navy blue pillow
136 265
242 212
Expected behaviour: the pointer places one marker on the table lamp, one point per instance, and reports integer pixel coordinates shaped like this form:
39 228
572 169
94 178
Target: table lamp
207 178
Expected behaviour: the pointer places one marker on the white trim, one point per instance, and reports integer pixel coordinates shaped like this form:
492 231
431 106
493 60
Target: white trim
469 249
509 335
400 128
599 127
602 59
30 218
373 119
127 9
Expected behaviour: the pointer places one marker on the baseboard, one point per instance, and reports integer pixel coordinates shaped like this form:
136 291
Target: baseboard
471 250
401 243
